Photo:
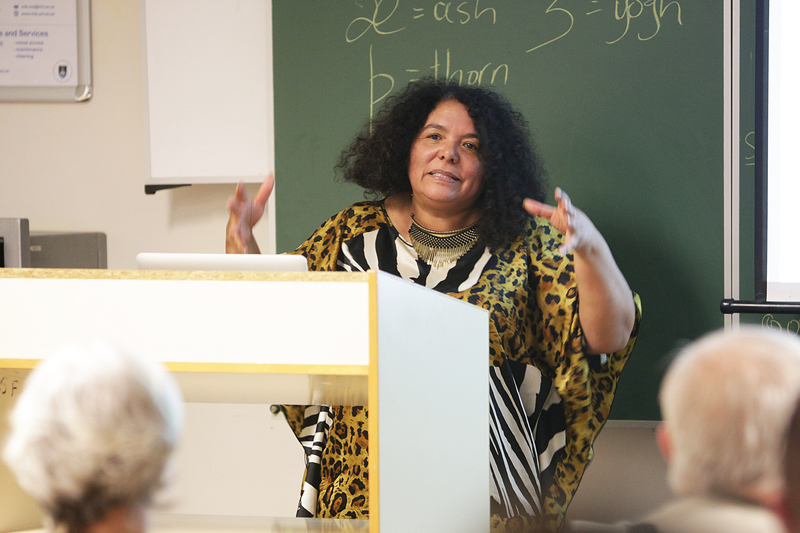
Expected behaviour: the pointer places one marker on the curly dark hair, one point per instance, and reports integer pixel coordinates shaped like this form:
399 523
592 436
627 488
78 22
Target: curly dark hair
378 157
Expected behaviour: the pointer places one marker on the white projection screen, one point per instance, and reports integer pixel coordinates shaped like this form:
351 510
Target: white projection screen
780 95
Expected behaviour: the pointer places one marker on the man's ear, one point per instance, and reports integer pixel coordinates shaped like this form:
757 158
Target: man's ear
781 510
663 440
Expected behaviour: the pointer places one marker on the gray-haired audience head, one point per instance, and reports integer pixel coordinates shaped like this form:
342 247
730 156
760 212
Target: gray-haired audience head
726 401
92 432
790 507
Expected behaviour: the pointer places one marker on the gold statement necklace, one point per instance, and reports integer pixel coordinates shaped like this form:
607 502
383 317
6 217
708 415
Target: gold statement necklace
437 248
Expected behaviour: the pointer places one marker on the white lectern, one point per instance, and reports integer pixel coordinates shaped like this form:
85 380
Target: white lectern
417 358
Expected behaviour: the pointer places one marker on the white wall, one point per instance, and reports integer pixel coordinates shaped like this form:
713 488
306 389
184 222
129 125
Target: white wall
627 477
81 167
210 475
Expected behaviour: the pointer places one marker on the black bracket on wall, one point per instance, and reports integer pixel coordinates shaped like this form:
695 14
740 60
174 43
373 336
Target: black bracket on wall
152 189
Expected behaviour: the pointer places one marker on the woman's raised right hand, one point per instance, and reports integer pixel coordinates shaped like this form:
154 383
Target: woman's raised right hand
245 213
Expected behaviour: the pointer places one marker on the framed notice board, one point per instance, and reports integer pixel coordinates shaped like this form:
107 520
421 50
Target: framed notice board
45 51
625 100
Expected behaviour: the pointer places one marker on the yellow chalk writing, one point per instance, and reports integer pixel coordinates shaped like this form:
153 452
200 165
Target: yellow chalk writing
749 140
632 9
374 23
770 322
553 9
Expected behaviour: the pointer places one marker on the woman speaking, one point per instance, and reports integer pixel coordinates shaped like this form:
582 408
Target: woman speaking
459 209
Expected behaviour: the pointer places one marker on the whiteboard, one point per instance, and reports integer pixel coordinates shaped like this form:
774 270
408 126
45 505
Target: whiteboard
45 51
208 97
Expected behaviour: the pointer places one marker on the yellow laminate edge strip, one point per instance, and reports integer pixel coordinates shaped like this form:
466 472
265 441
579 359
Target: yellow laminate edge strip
258 368
232 368
19 363
374 459
88 273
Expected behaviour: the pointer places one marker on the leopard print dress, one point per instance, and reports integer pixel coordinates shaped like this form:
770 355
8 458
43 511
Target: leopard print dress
548 397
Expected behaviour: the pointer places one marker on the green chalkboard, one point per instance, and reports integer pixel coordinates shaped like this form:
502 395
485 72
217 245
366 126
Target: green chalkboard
624 99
